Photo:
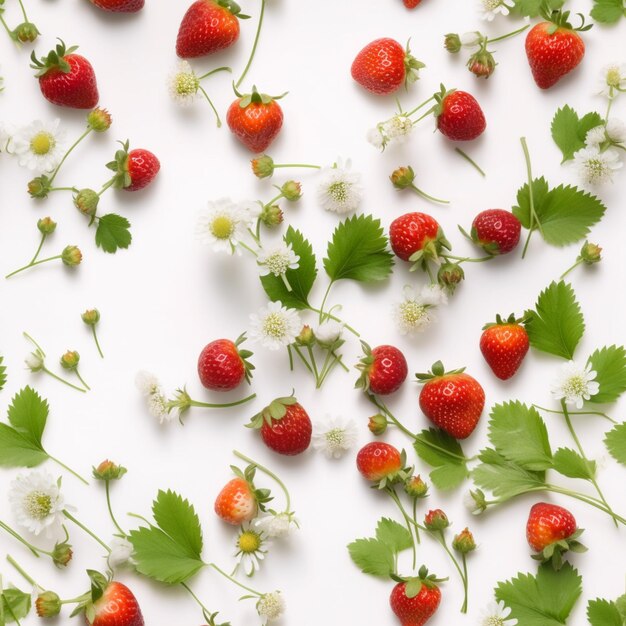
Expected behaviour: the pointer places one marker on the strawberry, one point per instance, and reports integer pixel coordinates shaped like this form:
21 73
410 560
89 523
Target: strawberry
66 79
411 4
459 116
383 370
496 231
285 426
551 531
119 6
134 169
208 26
383 66
415 600
554 48
453 401
222 366
382 463
504 346
237 502
255 119
416 237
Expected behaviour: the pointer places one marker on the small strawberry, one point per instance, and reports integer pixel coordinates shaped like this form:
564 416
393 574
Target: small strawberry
208 26
134 169
383 370
453 401
235 503
459 116
411 4
554 48
285 426
66 79
119 6
496 231
383 66
382 463
255 119
504 346
417 237
415 600
551 531
222 366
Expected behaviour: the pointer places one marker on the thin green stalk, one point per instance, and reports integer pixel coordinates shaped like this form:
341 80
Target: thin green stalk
566 272
208 405
286 282
23 10
326 294
33 264
22 572
36 551
471 161
465 583
533 214
254 45
82 380
43 239
273 200
106 186
269 473
515 32
313 364
85 529
407 520
397 423
465 259
302 358
444 544
336 319
217 115
205 612
421 117
235 581
108 496
69 151
608 417
68 469
74 189
419 106
6 27
423 194
62 380
248 248
315 167
583 498
95 338
224 68
325 369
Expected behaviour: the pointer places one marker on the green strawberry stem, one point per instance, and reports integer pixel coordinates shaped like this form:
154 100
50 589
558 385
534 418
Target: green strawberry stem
254 45
69 151
465 259
235 581
68 469
410 523
248 248
43 239
608 417
302 358
573 267
381 406
29 579
534 220
32 264
36 551
441 538
418 107
23 10
62 380
327 315
72 189
95 338
508 35
224 68
205 612
82 380
208 405
315 167
423 194
106 185
6 27
107 490
471 161
80 525
218 121
330 364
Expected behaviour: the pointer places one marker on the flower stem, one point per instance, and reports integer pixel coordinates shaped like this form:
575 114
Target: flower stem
381 406
313 365
465 582
534 220
515 32
95 338
302 357
336 319
254 45
442 540
43 239
208 405
82 380
465 259
573 267
217 115
84 528
106 186
33 342
205 612
62 380
68 469
22 572
69 151
23 10
108 496
471 161
32 264
419 106
36 551
269 473
315 167
235 581
410 523
608 417
224 68
423 194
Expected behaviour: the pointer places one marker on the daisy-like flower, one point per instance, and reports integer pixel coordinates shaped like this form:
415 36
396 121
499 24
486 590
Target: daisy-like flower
612 80
393 130
595 137
251 549
575 384
37 502
121 552
277 260
415 311
595 167
489 9
335 436
340 189
222 225
496 614
156 400
183 84
275 326
616 130
276 525
271 606
329 332
39 146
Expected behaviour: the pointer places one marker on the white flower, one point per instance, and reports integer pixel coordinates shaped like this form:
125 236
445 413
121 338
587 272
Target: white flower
375 137
595 137
250 212
474 502
275 326
37 502
147 383
616 130
595 167
471 39
271 606
340 189
496 614
277 260
35 361
121 551
276 525
334 436
183 84
328 332
575 384
251 549
38 146
156 400
393 130
612 80
5 136
415 312
488 9
222 226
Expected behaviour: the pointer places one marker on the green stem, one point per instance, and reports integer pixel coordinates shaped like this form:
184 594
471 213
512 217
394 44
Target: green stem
471 161
217 115
95 337
426 265
224 68
71 148
566 272
302 358
269 473
466 259
106 186
417 532
21 539
423 194
206 613
381 406
23 10
325 368
465 582
583 498
313 365
608 417
43 238
74 189
9 32
442 540
326 294
235 581
108 496
419 106
608 111
315 167
533 214
407 520
421 117
62 380
68 469
273 200
254 45
515 32
208 405
82 380
286 282
23 573
248 248
84 528
33 342
33 264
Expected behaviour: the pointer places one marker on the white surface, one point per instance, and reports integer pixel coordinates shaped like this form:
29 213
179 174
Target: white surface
167 296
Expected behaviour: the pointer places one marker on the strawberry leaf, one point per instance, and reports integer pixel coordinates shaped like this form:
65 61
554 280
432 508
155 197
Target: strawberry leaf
603 613
15 605
609 363
615 441
373 556
608 11
445 454
113 232
571 464
176 517
533 8
3 374
396 536
569 132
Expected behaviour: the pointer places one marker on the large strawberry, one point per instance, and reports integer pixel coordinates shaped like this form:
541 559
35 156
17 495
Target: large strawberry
496 231
416 237
134 169
119 6
255 119
208 26
383 66
383 370
554 48
453 401
459 116
504 346
222 365
415 600
66 79
382 463
551 531
285 426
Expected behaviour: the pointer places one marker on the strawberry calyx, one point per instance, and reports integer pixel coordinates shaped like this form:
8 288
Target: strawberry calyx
119 165
256 97
233 8
273 412
54 60
399 476
439 97
244 355
99 584
437 371
364 366
431 251
560 20
411 66
414 584
262 496
553 552
511 319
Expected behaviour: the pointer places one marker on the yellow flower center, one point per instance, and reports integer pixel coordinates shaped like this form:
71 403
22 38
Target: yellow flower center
412 312
222 227
274 325
338 191
613 77
42 143
38 504
249 542
186 84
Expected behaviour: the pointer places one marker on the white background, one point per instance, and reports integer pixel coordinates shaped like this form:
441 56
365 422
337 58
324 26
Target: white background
167 296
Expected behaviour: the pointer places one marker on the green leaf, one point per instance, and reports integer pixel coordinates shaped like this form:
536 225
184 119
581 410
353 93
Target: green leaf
615 441
373 556
176 517
543 600
396 536
301 279
445 454
569 132
608 11
519 434
358 251
603 613
3 374
17 451
557 324
522 210
113 232
609 363
571 464
15 604
532 8
28 414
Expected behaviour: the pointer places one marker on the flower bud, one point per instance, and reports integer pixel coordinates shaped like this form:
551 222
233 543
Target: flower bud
46 225
306 336
271 215
48 604
71 256
39 187
34 361
62 554
450 275
591 253
291 190
25 32
91 317
263 166
107 470
475 502
452 43
86 201
70 360
402 177
482 64
99 120
377 424
471 39
436 520
464 542
415 487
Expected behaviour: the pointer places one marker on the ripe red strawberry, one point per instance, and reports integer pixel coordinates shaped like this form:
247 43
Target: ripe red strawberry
453 401
208 26
134 169
415 601
66 79
110 603
255 119
411 4
459 116
383 66
551 531
414 235
496 231
285 426
382 463
554 49
504 346
222 366
236 502
383 370
119 6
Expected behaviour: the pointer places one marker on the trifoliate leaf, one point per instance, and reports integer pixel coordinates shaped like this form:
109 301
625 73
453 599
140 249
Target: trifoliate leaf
3 374
445 454
546 599
113 232
603 613
557 324
569 132
300 280
532 8
571 464
609 364
358 251
373 556
15 605
608 11
519 434
396 536
176 517
615 441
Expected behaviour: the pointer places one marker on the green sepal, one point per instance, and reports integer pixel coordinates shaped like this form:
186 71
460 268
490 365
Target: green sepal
273 412
436 371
